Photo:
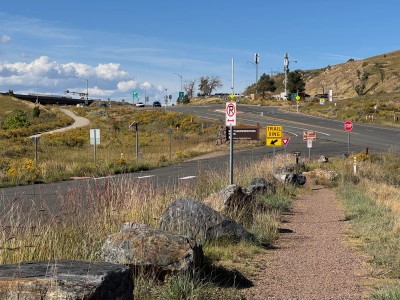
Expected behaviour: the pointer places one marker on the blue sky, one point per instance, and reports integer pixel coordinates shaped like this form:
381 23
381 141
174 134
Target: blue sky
122 46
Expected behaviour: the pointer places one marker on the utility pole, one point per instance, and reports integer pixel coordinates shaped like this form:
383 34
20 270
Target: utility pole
256 61
286 68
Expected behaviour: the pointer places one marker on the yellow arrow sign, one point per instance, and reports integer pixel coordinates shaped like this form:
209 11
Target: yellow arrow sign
274 142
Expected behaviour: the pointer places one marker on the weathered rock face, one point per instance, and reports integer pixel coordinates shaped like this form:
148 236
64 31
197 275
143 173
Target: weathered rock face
66 279
193 218
139 245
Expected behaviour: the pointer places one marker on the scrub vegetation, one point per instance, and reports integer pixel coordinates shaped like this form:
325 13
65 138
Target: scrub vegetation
370 199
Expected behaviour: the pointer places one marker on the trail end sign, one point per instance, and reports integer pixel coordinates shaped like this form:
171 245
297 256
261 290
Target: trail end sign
274 135
230 114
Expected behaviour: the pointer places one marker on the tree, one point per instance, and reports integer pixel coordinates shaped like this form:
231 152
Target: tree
295 83
266 84
36 112
362 84
207 85
189 88
186 99
214 83
203 85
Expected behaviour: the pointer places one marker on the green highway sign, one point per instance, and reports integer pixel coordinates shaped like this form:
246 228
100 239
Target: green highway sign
135 94
181 94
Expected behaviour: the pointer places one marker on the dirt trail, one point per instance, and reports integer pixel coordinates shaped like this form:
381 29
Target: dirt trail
79 122
311 260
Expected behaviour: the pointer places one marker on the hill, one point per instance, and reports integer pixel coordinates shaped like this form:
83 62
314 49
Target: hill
374 75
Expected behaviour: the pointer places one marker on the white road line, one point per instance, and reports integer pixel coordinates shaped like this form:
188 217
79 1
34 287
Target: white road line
187 177
147 176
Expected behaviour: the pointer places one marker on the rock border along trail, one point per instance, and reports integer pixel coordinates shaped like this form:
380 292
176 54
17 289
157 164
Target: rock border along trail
311 260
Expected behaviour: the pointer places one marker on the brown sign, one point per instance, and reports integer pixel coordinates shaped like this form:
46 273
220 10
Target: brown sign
309 135
250 133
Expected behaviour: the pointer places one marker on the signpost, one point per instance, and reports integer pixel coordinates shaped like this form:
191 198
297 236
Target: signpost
273 138
251 133
285 141
274 135
348 126
230 114
309 136
297 154
297 102
94 140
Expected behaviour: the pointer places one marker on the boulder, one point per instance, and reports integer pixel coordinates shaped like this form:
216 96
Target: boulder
233 196
259 185
193 218
323 159
144 247
292 178
66 279
228 230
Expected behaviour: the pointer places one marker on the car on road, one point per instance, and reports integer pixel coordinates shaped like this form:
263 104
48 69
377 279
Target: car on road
156 104
319 96
102 105
140 104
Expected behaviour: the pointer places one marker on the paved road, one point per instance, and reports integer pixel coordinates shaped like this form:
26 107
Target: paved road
332 140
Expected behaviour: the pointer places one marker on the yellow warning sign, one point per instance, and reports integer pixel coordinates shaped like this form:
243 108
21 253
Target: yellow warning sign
274 142
274 131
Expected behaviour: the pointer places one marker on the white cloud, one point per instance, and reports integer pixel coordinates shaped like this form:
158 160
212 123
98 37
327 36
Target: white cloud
125 86
110 71
5 39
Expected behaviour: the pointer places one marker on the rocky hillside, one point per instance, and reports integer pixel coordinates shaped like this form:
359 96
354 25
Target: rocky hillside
374 75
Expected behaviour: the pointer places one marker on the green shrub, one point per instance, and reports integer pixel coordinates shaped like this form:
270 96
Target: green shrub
36 112
16 119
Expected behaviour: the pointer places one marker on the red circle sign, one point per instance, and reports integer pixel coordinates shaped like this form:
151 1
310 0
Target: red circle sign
348 125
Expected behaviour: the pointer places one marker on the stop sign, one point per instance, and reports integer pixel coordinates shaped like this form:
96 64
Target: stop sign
348 125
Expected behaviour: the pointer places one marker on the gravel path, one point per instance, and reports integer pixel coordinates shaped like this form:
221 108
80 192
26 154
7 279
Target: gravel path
78 122
311 260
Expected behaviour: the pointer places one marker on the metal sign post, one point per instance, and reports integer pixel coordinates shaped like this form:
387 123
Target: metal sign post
273 138
94 140
285 141
348 126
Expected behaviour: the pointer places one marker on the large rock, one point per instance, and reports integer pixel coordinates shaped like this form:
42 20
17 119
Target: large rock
193 218
259 185
66 279
292 178
233 196
143 247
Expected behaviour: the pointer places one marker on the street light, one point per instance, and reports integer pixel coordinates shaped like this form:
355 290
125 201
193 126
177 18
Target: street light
256 72
181 80
255 64
87 90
